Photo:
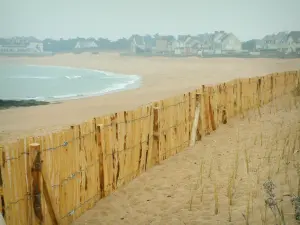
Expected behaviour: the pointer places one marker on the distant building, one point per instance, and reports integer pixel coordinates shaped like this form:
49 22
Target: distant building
276 42
164 44
85 44
140 44
225 42
293 42
19 45
215 43
180 45
205 42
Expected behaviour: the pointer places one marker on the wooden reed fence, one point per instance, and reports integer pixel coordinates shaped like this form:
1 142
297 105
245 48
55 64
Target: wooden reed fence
53 179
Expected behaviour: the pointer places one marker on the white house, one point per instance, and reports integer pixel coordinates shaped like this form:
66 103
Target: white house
35 46
165 44
293 42
31 47
225 42
230 42
138 44
84 44
142 43
276 42
179 45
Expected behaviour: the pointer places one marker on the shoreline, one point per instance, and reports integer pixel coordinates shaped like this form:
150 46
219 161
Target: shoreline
161 78
133 82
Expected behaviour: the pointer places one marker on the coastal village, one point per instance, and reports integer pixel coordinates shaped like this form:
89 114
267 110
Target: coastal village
218 43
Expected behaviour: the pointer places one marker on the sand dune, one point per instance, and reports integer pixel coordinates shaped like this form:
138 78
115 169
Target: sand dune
162 77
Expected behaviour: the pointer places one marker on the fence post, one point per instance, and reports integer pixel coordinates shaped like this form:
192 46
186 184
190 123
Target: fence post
196 121
36 180
39 185
156 136
211 112
205 109
2 212
100 142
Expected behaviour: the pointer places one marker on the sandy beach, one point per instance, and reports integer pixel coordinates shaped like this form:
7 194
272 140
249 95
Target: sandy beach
161 77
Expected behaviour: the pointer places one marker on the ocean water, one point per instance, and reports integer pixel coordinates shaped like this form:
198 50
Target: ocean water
55 83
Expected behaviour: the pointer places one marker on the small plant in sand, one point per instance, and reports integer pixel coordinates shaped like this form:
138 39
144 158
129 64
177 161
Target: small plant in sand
276 105
229 213
271 202
258 175
298 173
286 144
202 191
191 199
210 167
200 175
296 199
230 187
255 140
247 159
219 165
296 202
270 171
216 197
290 104
294 150
198 184
278 165
258 110
236 163
263 215
246 216
270 150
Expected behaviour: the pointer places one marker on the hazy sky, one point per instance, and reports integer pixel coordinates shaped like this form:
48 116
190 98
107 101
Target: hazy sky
121 18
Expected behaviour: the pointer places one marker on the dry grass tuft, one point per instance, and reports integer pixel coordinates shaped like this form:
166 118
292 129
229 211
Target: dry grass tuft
271 201
216 197
296 91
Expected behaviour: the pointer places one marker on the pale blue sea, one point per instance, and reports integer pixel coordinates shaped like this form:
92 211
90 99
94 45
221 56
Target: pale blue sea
54 83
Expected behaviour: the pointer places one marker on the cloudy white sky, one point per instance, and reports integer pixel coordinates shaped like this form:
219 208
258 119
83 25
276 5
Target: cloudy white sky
120 18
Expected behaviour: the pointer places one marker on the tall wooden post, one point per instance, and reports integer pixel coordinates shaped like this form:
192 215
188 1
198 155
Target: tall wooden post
156 136
36 180
2 207
100 142
40 184
196 121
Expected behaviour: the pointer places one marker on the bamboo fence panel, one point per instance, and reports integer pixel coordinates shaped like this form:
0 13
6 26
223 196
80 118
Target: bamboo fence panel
53 179
15 189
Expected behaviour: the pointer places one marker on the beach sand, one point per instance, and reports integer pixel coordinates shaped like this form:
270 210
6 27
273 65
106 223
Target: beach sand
161 77
176 192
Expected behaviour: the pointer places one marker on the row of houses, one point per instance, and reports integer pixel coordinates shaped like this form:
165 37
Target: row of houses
219 42
21 45
286 42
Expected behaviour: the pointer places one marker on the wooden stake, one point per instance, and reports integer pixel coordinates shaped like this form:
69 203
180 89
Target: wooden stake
36 180
100 141
40 184
196 120
156 135
2 211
